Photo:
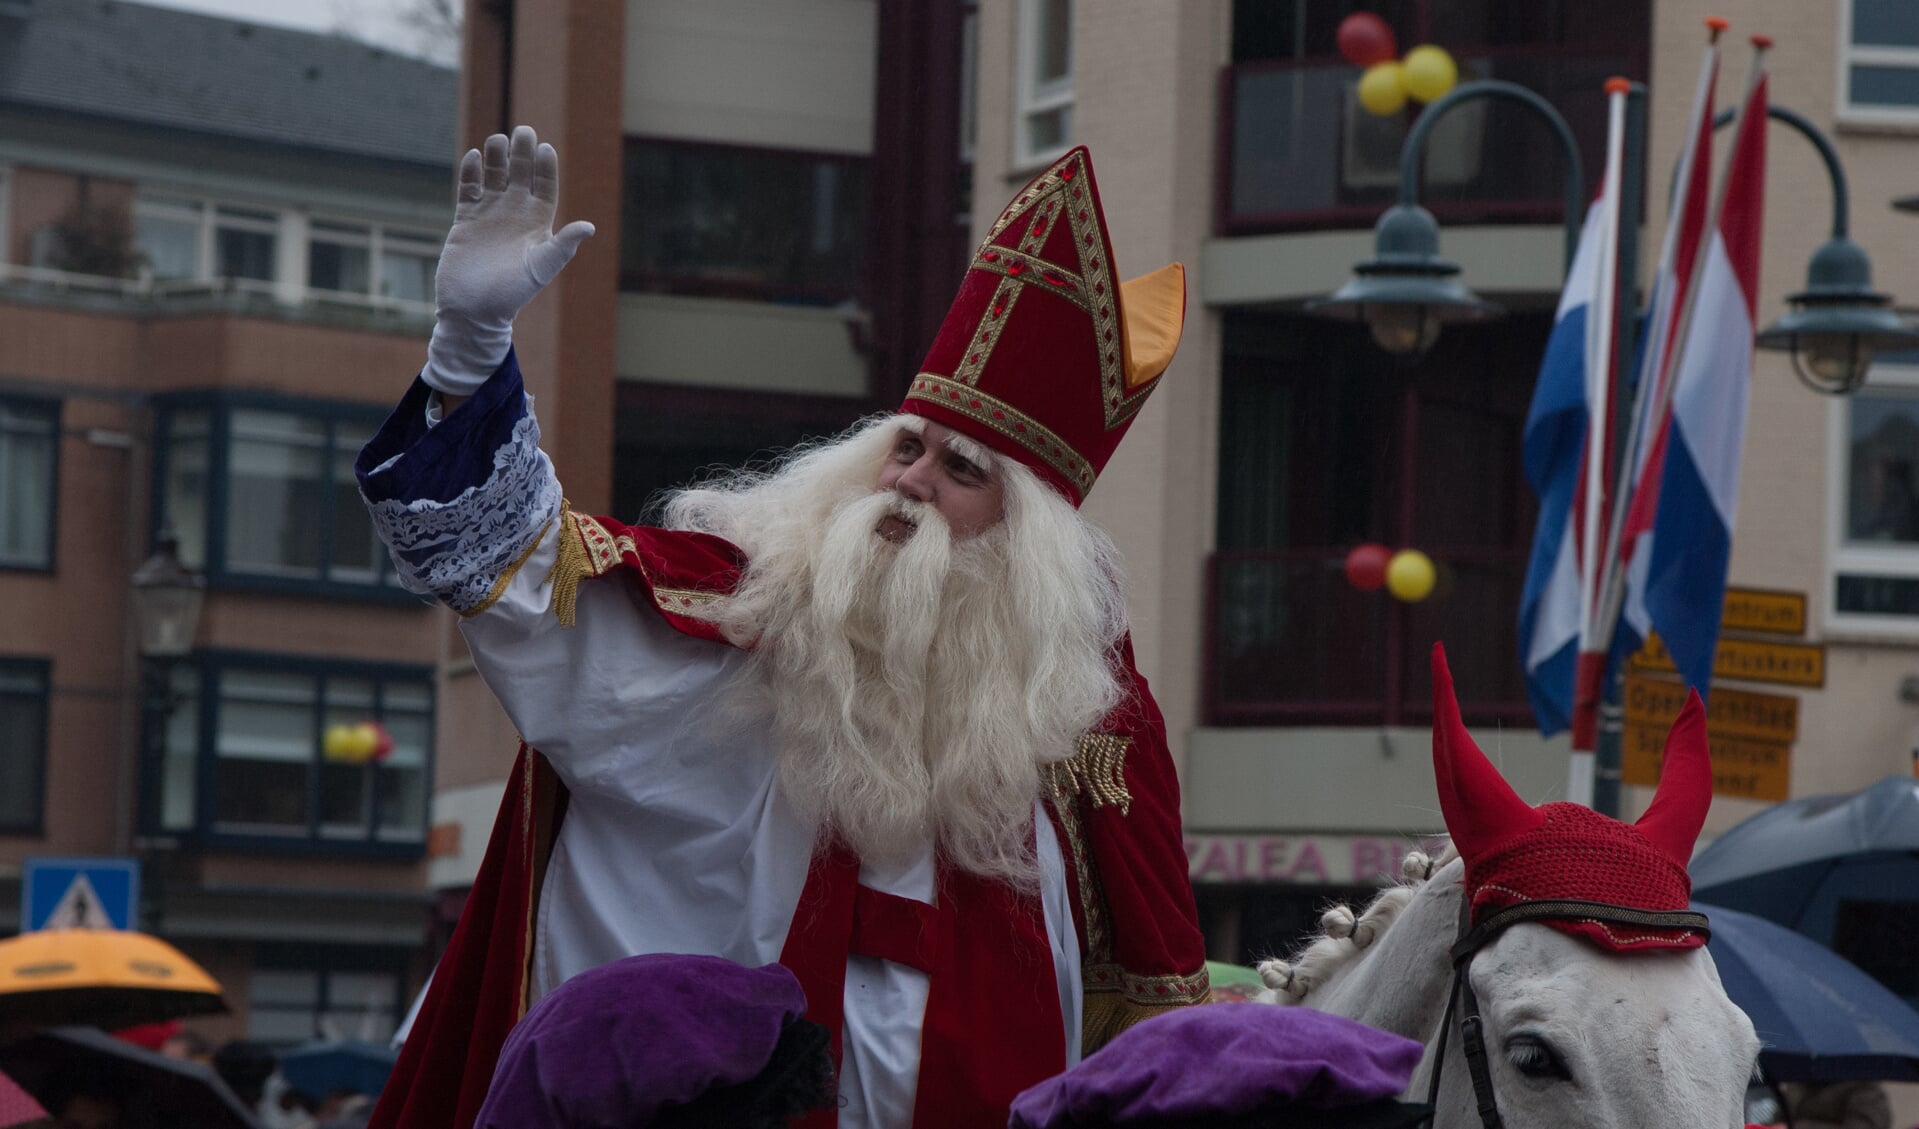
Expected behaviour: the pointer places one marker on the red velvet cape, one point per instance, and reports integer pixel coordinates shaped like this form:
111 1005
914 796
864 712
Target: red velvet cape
1115 808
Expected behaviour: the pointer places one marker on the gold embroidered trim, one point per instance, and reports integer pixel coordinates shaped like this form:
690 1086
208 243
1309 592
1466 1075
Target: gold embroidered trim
1092 896
986 334
1187 988
1107 1014
1008 421
602 548
1097 771
682 600
499 586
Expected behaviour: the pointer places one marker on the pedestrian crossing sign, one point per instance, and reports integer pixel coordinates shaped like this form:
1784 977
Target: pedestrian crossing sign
80 893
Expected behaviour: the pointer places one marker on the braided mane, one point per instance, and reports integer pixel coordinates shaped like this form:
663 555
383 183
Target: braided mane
1344 935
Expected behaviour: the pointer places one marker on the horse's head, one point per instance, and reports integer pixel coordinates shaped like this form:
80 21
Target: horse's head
1605 1012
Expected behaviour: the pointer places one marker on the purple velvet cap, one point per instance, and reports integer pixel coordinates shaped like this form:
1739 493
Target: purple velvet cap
1223 1061
611 1047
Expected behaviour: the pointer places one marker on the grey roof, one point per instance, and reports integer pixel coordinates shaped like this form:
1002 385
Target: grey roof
182 70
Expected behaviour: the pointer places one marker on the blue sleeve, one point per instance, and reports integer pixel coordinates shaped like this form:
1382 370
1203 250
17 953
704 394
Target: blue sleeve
410 460
462 502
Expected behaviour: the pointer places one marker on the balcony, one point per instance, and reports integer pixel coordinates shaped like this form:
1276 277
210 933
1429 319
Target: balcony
1297 152
144 294
1291 642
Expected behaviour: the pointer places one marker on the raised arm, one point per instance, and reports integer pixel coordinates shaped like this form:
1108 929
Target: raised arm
460 496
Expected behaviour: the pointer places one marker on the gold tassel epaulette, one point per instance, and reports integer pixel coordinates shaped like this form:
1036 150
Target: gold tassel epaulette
570 566
1097 771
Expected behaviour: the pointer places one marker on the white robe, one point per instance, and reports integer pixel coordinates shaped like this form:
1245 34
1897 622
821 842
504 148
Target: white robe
676 838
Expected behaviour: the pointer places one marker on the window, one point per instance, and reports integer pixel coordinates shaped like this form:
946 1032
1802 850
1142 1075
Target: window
187 239
29 460
340 257
23 743
1874 522
276 475
167 232
345 258
1879 61
1044 126
244 241
240 754
1327 442
300 993
732 222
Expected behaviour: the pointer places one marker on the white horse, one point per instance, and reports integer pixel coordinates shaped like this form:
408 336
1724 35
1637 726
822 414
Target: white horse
1577 1037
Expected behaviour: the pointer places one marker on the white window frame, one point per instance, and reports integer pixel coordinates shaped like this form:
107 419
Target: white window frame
1843 558
1869 113
6 214
1033 98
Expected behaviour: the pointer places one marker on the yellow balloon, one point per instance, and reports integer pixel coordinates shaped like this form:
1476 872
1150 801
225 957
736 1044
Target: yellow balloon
1429 72
366 738
337 742
1410 575
1382 88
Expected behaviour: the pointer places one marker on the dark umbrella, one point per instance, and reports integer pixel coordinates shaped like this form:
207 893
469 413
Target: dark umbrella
1818 1016
340 1064
169 1092
1795 862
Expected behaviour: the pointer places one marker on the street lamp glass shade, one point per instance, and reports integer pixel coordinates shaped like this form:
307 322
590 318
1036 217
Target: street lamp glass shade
1837 322
166 602
1401 329
1832 345
1404 308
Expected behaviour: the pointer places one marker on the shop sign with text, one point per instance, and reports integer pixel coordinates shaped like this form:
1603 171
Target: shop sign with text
1312 860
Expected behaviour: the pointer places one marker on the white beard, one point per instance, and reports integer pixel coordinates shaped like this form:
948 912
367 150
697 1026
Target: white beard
915 691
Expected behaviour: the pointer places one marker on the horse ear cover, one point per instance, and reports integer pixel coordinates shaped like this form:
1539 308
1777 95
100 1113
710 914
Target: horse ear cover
1516 853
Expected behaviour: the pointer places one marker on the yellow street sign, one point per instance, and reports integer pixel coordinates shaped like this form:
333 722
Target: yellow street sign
1768 613
1656 702
1748 660
1749 769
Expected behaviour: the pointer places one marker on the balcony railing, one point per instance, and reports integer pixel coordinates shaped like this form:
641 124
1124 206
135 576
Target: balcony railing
1297 151
224 295
1291 642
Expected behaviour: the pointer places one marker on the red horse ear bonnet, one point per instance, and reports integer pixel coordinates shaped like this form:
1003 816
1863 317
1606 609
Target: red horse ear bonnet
1561 851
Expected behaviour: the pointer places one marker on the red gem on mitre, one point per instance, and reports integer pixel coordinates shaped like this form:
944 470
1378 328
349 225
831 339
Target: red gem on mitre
1516 853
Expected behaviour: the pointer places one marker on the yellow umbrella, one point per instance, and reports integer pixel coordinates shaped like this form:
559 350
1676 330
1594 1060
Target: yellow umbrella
107 978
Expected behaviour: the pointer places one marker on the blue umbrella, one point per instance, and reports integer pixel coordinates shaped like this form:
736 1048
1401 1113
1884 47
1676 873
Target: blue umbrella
323 1068
1795 862
1819 1017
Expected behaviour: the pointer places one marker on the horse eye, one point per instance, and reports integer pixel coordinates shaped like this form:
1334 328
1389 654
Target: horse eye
1532 1057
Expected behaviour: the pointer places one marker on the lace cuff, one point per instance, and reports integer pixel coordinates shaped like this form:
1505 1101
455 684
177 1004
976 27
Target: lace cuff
459 503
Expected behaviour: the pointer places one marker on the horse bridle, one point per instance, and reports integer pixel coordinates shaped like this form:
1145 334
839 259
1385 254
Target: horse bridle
1462 1000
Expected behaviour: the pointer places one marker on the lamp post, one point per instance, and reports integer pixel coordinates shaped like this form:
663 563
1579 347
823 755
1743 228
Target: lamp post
1838 321
1405 293
167 596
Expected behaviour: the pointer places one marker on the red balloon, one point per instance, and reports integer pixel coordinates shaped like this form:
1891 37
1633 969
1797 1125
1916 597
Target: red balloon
1366 566
1365 39
383 745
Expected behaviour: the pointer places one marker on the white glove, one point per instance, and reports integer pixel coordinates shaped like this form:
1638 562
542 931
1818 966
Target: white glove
501 251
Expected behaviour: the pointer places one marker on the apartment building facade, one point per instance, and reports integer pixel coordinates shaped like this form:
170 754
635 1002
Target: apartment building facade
217 245
1226 135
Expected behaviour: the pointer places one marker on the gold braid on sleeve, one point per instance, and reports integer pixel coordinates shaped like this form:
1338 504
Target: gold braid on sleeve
1097 771
570 565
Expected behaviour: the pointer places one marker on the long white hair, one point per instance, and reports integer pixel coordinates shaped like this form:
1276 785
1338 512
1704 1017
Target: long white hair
914 691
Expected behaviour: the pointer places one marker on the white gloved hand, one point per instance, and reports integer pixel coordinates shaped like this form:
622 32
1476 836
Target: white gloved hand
501 251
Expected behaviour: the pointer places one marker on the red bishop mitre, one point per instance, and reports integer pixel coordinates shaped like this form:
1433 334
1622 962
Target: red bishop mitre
1044 356
1517 853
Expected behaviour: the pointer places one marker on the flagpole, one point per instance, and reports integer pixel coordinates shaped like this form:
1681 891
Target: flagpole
1659 334
1599 394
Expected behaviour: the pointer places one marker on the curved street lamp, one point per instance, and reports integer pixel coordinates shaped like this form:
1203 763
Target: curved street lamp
1406 292
1838 322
